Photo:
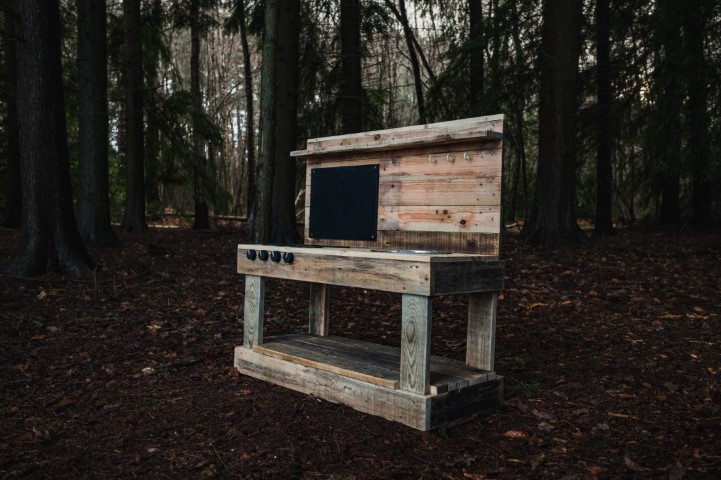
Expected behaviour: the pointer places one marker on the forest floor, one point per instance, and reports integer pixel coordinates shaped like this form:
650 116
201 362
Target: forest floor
611 355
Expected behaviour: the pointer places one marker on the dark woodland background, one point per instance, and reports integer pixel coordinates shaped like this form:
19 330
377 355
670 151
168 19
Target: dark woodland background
125 112
116 339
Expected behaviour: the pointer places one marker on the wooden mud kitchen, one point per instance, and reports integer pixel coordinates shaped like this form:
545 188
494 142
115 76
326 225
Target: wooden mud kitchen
415 211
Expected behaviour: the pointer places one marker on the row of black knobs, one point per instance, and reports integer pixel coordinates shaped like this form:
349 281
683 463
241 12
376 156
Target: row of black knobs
263 256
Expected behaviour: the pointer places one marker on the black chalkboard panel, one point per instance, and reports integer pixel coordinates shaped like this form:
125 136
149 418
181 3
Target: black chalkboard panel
344 203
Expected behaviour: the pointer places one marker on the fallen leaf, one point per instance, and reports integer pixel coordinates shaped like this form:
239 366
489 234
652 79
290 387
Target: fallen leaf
64 403
42 294
542 415
677 472
537 460
515 434
633 466
474 476
545 427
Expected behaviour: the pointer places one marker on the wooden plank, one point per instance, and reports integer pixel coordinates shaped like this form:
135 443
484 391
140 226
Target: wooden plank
468 242
368 353
407 136
481 342
446 374
415 343
397 405
466 277
465 403
379 272
417 411
330 360
253 312
442 377
481 123
318 309
483 161
440 219
403 143
439 191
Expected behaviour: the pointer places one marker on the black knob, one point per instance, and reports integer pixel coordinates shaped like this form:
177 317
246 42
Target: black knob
250 254
263 255
275 256
288 257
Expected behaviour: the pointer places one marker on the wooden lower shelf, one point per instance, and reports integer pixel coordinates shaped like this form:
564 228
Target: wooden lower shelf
365 361
365 376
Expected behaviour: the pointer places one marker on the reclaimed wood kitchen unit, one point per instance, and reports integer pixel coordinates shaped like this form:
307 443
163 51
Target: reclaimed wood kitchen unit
415 211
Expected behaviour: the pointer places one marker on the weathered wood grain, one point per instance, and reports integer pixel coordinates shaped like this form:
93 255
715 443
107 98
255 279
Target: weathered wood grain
422 412
378 273
466 277
416 343
469 159
318 309
439 192
254 310
465 403
467 242
456 219
331 360
403 407
481 338
405 136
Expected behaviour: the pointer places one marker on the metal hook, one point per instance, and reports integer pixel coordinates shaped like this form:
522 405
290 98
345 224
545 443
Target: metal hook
449 157
431 159
466 157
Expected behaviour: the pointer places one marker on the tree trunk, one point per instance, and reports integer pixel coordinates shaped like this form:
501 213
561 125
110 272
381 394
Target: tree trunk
352 89
284 229
153 132
477 55
402 17
200 181
518 109
250 111
665 124
698 147
134 220
261 222
93 199
12 216
604 119
553 218
50 241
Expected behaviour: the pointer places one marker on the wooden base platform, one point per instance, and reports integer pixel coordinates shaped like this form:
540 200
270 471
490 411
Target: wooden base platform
366 377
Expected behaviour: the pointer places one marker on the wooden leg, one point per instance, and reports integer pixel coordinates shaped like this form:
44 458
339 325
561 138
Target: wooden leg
416 344
481 342
254 311
318 310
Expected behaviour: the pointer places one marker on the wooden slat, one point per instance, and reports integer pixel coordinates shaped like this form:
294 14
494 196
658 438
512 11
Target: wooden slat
253 311
441 219
484 161
468 242
331 360
406 136
377 271
318 309
439 192
481 342
445 374
466 277
415 343
397 405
